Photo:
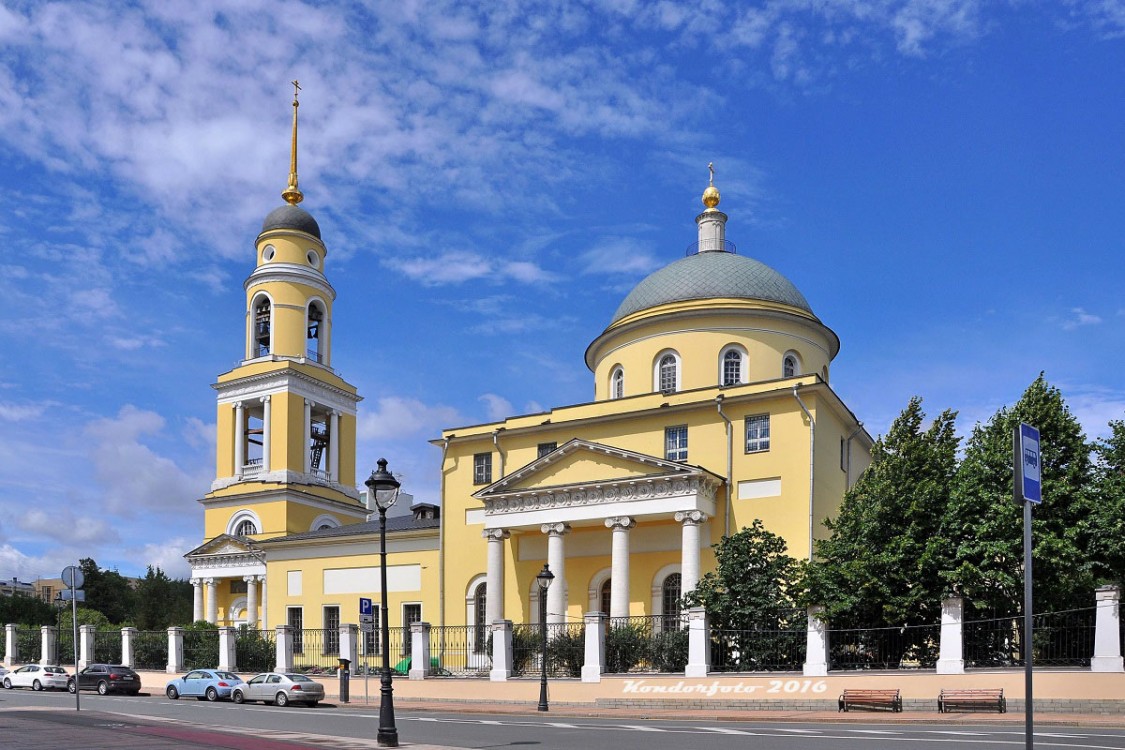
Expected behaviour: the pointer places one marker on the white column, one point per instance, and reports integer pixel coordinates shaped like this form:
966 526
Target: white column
556 561
212 601
689 554
333 446
85 645
227 650
951 659
816 643
619 575
49 644
264 622
128 639
419 651
501 651
494 575
1107 626
308 436
266 413
699 643
175 650
251 601
284 649
239 439
196 599
11 645
593 663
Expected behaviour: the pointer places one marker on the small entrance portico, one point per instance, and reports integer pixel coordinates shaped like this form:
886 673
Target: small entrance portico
587 484
223 559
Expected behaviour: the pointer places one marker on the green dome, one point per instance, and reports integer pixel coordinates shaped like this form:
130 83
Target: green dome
711 275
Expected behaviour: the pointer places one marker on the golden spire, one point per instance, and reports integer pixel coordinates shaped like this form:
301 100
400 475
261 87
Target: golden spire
291 194
711 194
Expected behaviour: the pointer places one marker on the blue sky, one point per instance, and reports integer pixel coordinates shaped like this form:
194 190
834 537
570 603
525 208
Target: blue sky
942 179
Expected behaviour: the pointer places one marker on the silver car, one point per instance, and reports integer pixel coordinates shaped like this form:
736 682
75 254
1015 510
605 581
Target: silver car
279 688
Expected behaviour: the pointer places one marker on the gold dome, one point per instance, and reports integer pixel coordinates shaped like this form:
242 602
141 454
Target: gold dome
711 196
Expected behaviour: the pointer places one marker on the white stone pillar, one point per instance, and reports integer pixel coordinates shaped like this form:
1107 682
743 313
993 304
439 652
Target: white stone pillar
86 646
349 642
196 599
264 621
212 600
226 650
593 663
619 575
692 520
951 657
239 439
49 644
419 651
494 574
175 650
267 412
11 645
284 647
1107 629
333 446
501 651
816 643
251 602
128 639
699 643
308 436
556 561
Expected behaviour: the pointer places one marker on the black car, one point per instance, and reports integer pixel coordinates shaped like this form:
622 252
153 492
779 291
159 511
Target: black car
107 678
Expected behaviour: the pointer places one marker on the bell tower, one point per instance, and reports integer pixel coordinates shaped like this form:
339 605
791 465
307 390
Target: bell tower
286 426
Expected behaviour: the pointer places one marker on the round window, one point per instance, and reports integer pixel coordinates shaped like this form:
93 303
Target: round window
267 253
314 259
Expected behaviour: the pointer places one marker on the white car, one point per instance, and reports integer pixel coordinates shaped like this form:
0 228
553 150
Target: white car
36 677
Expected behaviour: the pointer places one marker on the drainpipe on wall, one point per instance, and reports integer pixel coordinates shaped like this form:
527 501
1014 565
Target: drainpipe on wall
848 454
730 461
441 543
812 464
496 443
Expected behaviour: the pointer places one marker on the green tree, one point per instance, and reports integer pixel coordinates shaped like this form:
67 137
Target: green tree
876 568
107 591
161 601
980 547
1108 545
21 609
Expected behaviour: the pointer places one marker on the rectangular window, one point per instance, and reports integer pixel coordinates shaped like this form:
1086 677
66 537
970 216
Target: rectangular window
675 443
331 630
545 448
238 586
295 618
411 613
482 468
758 433
371 640
843 454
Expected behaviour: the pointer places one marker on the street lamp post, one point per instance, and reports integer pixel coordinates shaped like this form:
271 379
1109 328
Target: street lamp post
384 490
544 580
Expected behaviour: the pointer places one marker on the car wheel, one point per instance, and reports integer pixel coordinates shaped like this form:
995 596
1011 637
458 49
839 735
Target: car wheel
37 686
212 694
172 693
103 687
237 696
7 684
71 687
282 700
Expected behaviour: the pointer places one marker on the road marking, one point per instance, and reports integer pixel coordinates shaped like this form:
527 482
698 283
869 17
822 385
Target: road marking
560 725
721 730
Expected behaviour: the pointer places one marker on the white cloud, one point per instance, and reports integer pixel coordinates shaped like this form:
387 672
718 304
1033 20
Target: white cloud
460 266
63 526
10 412
396 418
622 255
497 407
168 555
1078 318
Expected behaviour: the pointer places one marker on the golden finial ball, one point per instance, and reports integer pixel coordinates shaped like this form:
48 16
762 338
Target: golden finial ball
711 196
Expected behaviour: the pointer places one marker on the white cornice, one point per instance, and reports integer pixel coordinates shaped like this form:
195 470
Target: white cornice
289 273
291 381
288 494
603 492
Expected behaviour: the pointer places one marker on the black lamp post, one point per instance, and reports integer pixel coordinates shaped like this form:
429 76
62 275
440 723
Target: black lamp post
384 490
544 580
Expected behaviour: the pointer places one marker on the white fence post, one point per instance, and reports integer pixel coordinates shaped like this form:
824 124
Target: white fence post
175 650
699 643
816 643
50 644
128 638
284 647
951 656
593 663
12 645
348 640
226 649
1107 628
419 650
501 651
86 647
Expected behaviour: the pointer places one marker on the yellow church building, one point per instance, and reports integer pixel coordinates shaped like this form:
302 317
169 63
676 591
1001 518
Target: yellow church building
712 407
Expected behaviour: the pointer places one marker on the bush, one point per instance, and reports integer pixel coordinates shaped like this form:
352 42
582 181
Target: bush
565 653
253 651
670 651
626 646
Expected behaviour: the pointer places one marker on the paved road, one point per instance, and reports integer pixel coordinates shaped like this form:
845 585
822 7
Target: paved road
155 723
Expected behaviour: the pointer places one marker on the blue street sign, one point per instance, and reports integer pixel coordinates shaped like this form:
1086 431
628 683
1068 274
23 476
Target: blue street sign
365 607
1029 487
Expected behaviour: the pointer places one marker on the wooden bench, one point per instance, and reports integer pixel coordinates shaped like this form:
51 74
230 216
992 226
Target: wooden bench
972 700
875 699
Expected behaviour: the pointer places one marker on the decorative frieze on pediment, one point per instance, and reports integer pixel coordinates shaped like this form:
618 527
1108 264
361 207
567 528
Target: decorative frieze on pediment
701 486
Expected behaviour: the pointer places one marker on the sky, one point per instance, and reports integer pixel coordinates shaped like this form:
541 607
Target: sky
942 179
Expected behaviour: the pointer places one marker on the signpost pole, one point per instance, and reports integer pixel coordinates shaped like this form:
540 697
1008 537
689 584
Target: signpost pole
1027 488
73 579
1029 720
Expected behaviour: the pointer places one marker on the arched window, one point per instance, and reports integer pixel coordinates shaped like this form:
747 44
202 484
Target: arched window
667 374
617 383
262 325
246 528
315 325
670 596
607 594
732 366
480 615
790 365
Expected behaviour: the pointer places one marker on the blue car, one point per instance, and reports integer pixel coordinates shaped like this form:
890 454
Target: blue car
203 684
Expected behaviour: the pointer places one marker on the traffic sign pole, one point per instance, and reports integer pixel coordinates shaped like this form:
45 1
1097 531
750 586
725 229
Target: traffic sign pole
1027 488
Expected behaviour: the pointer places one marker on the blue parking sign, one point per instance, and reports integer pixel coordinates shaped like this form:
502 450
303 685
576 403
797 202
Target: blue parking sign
1029 487
365 607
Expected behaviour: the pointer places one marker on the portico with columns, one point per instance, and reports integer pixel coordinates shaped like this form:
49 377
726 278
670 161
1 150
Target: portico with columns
229 583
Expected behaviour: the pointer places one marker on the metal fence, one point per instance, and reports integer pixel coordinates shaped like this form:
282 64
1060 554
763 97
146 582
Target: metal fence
775 645
107 646
646 644
370 660
29 644
64 648
460 651
566 648
201 649
255 650
150 649
1059 639
905 647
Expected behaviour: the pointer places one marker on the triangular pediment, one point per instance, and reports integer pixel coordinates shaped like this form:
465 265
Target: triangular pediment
582 462
223 544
